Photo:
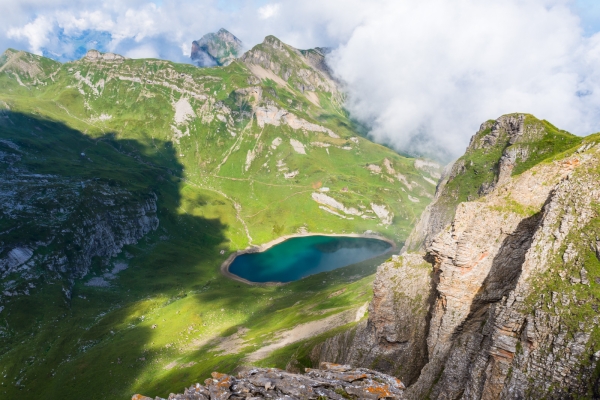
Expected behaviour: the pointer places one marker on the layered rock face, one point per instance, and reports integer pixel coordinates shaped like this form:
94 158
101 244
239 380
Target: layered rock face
392 340
495 330
513 288
331 381
499 146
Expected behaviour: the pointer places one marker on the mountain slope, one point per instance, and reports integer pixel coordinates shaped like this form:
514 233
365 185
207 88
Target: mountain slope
153 173
502 302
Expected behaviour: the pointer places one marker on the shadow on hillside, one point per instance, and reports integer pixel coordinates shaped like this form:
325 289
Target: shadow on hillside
91 342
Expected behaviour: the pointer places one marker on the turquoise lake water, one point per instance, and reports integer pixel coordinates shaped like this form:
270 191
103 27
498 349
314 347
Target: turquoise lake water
300 257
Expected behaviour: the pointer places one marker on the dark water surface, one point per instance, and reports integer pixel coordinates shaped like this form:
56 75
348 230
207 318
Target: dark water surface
297 258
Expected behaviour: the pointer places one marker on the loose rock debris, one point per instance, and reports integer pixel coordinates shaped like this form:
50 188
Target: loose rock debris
331 381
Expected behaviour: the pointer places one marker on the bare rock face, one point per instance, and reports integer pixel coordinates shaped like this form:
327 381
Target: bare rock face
511 308
64 223
332 381
491 336
393 339
507 142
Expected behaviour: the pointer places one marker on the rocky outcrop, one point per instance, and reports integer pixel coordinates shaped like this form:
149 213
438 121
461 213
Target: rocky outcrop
96 56
26 68
219 48
496 149
491 335
332 381
392 340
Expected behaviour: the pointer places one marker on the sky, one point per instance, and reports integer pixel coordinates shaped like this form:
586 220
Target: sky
421 74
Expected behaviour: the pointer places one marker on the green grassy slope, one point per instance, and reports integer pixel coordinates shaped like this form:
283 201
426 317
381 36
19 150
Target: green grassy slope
100 342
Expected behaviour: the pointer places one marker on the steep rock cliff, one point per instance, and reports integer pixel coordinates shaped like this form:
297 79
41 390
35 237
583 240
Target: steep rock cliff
513 288
392 339
498 329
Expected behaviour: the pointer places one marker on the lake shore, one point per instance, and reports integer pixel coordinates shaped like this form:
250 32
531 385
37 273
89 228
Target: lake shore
258 249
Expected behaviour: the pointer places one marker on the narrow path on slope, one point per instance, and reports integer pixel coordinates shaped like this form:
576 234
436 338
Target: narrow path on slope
308 330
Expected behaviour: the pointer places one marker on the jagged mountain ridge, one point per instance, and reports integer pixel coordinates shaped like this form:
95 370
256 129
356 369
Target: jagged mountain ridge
305 70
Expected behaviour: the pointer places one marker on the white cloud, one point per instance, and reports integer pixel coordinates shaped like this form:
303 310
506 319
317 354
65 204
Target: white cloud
36 33
426 74
268 11
185 49
143 51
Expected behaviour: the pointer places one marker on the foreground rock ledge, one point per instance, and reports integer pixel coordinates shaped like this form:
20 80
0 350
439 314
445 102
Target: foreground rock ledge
331 381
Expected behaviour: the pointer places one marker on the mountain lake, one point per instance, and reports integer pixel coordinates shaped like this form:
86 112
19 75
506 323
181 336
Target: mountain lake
299 257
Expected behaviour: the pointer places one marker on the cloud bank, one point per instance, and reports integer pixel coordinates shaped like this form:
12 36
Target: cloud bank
425 74
422 74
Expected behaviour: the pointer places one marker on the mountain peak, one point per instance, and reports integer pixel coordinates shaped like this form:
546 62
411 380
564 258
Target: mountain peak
273 41
304 70
219 48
